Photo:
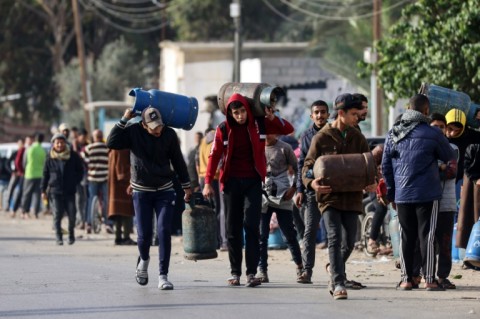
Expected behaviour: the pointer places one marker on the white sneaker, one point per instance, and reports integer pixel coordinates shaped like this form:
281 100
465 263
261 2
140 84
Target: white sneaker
141 274
163 283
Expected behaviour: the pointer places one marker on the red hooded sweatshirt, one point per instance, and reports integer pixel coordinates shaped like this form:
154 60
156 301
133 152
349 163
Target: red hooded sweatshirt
257 128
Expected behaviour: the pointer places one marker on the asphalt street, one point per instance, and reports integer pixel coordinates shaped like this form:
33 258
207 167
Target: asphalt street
95 279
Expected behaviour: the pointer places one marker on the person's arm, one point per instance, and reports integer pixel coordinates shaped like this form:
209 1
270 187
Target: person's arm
308 178
301 160
45 179
78 167
180 167
119 137
387 170
472 162
275 124
216 154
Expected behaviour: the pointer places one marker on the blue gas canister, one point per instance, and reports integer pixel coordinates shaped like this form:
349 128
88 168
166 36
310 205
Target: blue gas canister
443 100
177 110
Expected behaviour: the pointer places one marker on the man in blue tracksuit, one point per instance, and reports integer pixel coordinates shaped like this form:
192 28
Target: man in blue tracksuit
410 169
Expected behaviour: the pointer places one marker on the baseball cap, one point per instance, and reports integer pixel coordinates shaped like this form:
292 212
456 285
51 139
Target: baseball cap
347 101
152 118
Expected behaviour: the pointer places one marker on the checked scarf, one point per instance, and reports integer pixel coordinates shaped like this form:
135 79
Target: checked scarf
410 119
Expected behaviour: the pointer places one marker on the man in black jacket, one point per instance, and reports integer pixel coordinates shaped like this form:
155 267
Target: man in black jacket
62 172
154 149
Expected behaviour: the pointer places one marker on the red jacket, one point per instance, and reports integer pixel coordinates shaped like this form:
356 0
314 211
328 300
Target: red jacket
258 127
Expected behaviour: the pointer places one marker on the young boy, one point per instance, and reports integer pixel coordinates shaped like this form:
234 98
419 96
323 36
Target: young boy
339 209
240 143
277 198
447 210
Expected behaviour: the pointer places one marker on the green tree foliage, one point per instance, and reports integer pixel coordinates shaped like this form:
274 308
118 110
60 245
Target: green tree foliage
25 63
209 20
435 41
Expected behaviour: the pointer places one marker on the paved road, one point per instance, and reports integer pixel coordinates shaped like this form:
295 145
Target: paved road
95 279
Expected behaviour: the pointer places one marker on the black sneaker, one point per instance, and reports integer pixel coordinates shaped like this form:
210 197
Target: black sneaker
71 240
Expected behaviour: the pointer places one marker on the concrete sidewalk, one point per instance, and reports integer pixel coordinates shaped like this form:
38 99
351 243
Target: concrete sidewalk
95 279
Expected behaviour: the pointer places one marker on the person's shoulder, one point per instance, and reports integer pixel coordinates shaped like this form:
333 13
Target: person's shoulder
284 145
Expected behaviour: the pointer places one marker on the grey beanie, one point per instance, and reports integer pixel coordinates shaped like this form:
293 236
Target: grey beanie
57 136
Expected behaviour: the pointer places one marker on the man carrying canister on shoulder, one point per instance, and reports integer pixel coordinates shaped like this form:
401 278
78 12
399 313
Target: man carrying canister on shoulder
339 209
240 141
154 149
410 167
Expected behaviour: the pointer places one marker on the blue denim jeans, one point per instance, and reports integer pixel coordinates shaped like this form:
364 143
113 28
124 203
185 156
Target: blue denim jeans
97 189
285 221
145 204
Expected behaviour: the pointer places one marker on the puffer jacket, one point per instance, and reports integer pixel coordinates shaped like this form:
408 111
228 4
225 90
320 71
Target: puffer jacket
410 166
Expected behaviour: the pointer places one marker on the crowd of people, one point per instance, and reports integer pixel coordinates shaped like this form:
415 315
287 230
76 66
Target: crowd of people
248 170
64 178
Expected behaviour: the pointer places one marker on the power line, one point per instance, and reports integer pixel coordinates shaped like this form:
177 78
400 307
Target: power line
337 4
280 14
128 18
339 18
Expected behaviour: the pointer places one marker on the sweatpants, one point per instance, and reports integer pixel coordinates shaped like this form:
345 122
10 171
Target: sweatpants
417 221
243 204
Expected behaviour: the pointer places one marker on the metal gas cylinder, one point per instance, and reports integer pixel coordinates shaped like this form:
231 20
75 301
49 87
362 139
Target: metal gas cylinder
199 227
259 95
443 100
346 172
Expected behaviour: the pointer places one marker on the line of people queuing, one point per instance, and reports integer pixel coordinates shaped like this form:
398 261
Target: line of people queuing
244 161
67 176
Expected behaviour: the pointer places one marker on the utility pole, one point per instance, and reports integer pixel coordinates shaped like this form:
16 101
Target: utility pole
377 107
235 13
81 58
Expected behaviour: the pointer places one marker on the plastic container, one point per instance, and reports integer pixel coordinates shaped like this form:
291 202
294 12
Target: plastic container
443 100
177 111
275 240
394 229
455 252
472 253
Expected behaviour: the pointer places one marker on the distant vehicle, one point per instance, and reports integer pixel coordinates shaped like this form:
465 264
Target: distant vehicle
7 149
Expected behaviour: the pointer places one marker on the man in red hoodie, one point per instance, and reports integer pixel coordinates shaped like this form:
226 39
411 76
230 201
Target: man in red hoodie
240 142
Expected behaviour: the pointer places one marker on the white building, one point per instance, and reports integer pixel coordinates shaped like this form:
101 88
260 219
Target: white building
199 69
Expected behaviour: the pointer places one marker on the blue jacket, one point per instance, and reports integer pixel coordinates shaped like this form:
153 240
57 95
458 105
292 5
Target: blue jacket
410 166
